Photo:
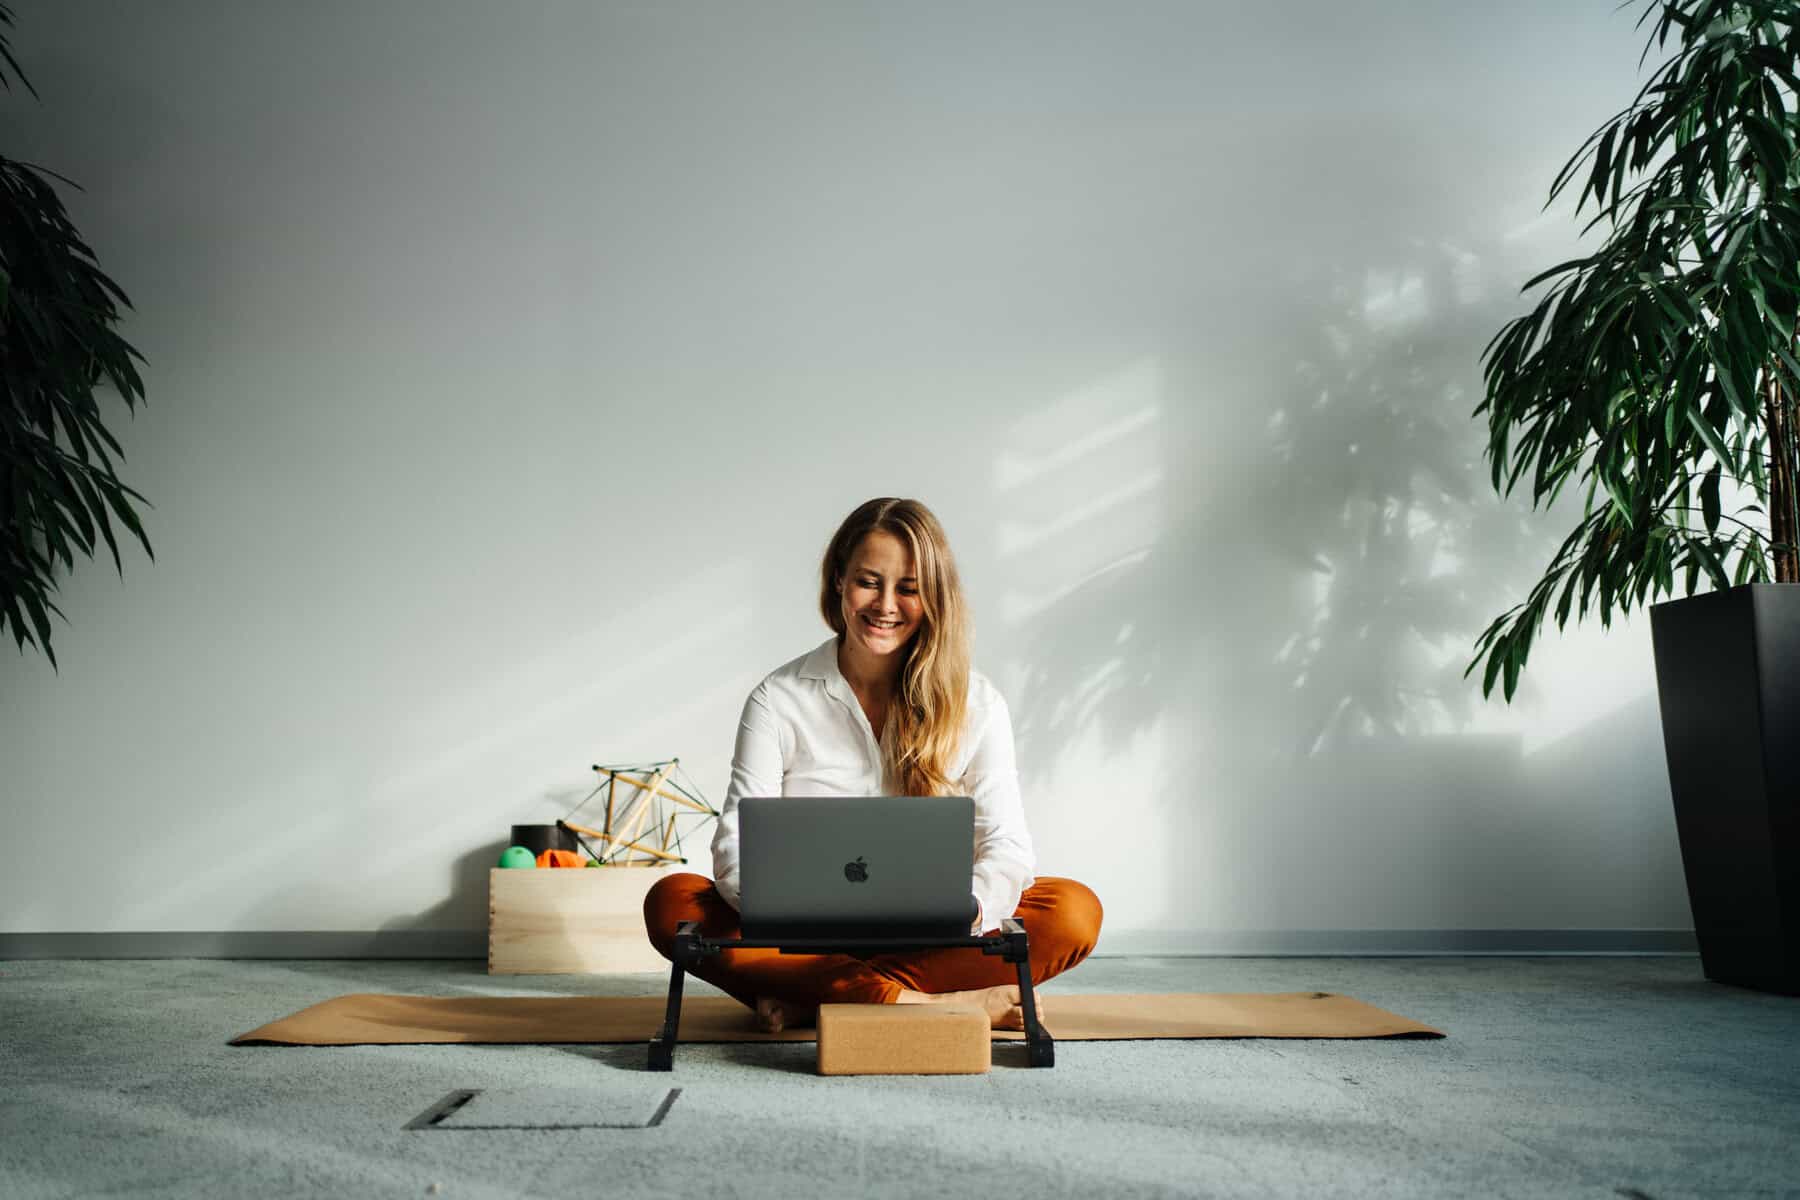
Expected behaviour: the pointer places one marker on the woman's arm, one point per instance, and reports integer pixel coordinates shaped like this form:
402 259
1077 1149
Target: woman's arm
755 771
1004 858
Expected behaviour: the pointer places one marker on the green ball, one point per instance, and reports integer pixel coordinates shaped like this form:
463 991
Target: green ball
590 863
517 856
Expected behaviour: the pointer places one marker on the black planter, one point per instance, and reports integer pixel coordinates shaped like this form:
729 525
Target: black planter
539 838
1728 679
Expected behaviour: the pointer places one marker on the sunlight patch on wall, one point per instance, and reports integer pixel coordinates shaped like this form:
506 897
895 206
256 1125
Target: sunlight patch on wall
1017 608
1103 823
228 878
1017 538
1574 680
1013 469
1466 274
1394 298
1079 489
616 680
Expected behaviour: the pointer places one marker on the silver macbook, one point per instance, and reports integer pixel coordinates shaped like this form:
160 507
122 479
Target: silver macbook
829 866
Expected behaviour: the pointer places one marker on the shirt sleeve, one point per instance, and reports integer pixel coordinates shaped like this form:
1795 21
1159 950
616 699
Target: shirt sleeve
1004 858
755 771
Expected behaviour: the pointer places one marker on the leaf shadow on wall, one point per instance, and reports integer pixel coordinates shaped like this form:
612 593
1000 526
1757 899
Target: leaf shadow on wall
1295 609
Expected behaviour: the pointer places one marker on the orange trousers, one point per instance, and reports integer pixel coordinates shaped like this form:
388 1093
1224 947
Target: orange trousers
1061 916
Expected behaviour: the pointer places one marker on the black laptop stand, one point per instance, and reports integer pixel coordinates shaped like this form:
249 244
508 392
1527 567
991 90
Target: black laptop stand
692 946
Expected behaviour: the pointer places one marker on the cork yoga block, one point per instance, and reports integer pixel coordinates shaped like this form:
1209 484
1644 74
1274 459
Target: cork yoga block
903 1039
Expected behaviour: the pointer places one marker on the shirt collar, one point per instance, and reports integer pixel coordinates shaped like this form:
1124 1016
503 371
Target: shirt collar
822 663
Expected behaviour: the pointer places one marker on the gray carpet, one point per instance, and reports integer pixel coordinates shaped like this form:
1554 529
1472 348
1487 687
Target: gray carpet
1561 1077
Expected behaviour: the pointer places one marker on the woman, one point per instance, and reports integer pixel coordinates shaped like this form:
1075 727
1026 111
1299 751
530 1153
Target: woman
887 706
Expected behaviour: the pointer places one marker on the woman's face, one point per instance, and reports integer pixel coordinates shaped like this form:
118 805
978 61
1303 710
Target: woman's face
880 595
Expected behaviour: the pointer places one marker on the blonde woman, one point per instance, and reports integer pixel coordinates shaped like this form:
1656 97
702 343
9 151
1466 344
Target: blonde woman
887 706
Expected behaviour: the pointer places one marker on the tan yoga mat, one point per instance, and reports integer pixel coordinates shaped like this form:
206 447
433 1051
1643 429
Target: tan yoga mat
369 1019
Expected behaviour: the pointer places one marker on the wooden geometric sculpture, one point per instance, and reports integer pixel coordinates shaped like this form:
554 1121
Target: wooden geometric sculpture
644 804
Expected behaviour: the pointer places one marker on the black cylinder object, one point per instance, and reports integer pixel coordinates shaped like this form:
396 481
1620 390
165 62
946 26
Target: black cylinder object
539 838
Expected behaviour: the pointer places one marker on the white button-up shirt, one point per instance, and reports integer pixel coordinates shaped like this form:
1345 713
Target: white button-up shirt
804 734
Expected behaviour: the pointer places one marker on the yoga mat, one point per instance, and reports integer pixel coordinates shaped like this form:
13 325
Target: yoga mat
369 1019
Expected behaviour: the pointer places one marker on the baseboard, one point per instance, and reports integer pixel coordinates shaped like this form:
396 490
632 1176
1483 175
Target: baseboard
382 943
457 943
1385 943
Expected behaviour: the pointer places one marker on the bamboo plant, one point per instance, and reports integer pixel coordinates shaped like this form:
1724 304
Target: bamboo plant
58 345
1661 372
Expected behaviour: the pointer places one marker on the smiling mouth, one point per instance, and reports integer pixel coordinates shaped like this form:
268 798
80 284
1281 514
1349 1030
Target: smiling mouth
883 626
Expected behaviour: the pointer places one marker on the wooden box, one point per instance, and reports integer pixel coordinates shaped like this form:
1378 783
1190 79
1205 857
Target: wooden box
568 920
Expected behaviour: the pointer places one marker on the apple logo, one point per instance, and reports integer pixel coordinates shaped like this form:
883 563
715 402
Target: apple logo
858 871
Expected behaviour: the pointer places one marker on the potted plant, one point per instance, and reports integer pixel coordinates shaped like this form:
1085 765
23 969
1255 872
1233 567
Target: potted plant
57 346
1661 374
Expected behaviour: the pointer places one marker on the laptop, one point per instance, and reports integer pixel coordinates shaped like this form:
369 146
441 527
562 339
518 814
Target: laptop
835 866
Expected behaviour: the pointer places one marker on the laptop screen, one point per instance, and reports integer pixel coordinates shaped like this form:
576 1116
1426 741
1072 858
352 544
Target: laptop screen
886 865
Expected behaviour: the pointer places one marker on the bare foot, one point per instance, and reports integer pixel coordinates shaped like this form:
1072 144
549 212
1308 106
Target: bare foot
1001 1003
773 1015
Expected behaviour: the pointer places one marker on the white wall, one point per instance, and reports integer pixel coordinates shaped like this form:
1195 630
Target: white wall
510 365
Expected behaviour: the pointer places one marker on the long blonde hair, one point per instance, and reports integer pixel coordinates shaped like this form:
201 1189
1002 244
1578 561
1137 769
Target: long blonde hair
924 725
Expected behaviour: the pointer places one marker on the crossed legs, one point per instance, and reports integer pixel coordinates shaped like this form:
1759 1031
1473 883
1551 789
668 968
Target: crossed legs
1062 916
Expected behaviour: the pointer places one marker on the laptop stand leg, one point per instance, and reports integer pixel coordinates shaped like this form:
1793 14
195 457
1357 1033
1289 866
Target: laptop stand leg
662 1045
1040 1047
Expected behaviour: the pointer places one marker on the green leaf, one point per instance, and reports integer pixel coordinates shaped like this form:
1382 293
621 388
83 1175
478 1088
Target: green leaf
75 504
1770 144
1732 245
1709 435
1748 562
35 604
1709 560
99 509
1787 360
1514 660
114 492
1496 660
1558 269
1619 490
1709 499
12 615
1602 165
